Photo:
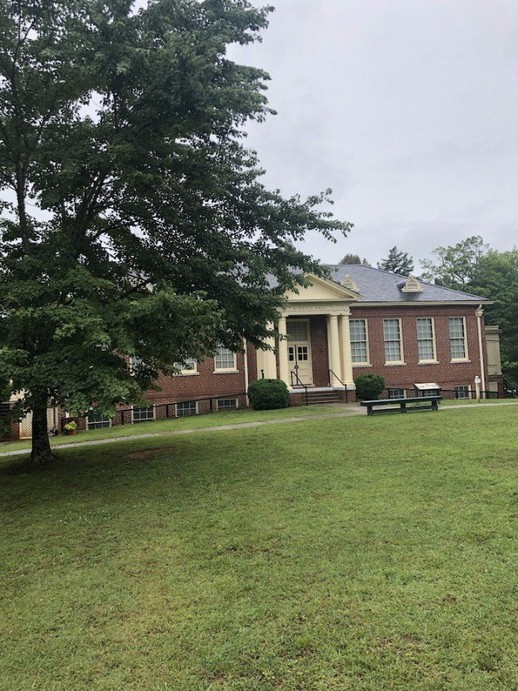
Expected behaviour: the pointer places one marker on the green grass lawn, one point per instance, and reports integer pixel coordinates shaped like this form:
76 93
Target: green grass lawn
181 423
210 420
351 553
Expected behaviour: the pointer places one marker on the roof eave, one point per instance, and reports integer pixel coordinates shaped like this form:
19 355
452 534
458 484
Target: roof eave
421 303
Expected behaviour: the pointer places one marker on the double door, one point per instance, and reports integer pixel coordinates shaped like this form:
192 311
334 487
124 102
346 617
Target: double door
299 352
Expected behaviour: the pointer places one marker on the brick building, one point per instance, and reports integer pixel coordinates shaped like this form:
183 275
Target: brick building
358 320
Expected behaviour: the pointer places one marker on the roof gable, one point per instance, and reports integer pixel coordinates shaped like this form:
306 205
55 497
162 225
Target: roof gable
321 289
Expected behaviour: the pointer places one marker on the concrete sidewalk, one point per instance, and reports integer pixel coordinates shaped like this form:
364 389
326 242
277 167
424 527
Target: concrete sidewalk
351 409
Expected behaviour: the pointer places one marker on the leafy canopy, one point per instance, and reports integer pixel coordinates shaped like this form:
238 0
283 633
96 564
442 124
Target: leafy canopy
397 262
454 266
471 265
135 221
354 259
495 276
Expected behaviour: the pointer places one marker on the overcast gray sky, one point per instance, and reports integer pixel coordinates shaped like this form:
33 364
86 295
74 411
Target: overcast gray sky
408 109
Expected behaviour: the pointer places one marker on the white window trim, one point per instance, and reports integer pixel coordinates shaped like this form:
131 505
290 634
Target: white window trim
177 404
392 363
367 362
466 356
95 426
434 360
463 398
133 363
226 370
228 398
308 331
143 406
182 372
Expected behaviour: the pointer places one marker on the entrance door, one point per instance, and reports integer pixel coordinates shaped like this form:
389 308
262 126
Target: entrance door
299 351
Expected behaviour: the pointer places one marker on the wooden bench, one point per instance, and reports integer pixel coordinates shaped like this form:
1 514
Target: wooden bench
387 405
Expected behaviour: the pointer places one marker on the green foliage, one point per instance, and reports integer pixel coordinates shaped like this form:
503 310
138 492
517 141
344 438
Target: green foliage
139 225
397 262
495 276
455 265
369 386
268 394
472 266
354 259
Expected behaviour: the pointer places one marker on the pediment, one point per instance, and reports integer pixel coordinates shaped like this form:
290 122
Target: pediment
322 290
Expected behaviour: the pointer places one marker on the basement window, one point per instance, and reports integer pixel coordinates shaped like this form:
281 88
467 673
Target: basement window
227 403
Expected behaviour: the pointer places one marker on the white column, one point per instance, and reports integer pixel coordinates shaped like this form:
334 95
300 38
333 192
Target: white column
267 362
479 313
347 361
328 324
283 352
334 351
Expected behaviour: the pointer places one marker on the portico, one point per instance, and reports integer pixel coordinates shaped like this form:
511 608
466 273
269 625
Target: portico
313 348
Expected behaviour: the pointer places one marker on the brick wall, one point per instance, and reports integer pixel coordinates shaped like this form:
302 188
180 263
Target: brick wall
204 383
319 351
446 373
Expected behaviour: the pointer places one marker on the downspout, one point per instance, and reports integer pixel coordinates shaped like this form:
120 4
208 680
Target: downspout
245 355
479 313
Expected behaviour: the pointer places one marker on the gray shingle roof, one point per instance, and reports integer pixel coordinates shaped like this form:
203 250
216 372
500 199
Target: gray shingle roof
375 285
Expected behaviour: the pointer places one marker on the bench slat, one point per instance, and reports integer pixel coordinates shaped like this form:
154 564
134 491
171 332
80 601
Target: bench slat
433 402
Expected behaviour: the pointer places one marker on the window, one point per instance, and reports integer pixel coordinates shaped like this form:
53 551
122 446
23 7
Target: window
143 414
392 336
458 347
425 339
396 393
297 330
188 366
134 363
186 408
227 403
224 359
359 349
462 391
96 421
429 392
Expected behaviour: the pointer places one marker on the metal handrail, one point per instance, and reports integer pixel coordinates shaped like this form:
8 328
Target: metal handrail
510 386
300 383
330 372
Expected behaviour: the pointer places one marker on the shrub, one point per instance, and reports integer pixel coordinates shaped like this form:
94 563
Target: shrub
268 394
369 386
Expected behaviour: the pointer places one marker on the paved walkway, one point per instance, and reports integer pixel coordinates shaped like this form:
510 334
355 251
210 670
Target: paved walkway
350 409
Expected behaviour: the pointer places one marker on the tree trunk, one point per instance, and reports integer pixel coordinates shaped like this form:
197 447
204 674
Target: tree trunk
41 453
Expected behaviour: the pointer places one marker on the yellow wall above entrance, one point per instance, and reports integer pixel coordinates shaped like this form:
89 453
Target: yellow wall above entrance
321 290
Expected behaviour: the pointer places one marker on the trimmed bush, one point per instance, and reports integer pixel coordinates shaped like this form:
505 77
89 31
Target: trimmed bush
268 394
369 386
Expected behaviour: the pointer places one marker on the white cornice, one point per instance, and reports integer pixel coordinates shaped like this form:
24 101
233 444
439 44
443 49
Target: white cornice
422 303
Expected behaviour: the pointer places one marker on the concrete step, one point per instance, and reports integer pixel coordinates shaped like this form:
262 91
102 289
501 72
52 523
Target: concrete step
324 397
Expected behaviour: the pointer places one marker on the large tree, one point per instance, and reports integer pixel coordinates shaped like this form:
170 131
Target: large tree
137 223
471 265
454 266
397 262
495 276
